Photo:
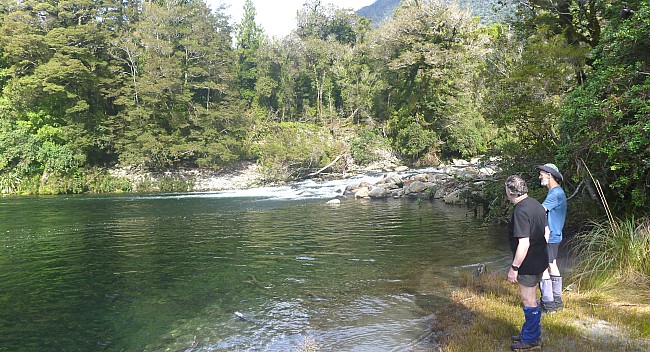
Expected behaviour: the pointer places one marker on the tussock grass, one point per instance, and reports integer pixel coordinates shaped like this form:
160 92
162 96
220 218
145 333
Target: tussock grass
615 252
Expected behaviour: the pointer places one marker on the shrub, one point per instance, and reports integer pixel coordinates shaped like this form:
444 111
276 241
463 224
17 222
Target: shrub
364 148
291 150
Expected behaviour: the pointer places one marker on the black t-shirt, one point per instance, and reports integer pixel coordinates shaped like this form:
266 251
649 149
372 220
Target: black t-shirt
529 220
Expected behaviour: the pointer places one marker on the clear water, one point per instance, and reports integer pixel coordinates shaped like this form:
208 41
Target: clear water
260 270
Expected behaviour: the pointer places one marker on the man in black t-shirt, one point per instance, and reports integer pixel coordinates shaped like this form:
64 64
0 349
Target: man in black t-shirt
526 233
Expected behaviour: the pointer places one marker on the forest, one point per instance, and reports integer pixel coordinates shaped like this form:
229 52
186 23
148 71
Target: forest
166 84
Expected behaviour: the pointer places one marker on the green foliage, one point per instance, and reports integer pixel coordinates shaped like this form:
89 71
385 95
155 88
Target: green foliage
327 23
364 148
615 250
527 82
100 181
412 139
30 151
605 121
176 109
290 150
249 38
158 85
580 21
429 57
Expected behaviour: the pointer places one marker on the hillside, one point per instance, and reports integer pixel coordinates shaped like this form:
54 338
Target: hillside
489 11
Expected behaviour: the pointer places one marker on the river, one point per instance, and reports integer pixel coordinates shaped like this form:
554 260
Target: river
259 270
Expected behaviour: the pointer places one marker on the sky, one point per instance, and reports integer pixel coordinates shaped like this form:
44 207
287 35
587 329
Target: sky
278 17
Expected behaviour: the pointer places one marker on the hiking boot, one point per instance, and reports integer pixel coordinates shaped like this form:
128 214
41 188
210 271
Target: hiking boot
517 338
526 346
548 307
559 305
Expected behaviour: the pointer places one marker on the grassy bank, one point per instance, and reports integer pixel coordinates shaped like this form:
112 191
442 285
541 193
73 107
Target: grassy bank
607 299
486 311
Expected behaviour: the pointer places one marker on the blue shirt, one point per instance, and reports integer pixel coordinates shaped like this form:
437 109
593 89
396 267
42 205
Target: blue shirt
555 203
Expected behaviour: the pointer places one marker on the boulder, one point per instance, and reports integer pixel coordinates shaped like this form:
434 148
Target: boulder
350 189
379 193
469 173
416 187
362 192
453 198
394 179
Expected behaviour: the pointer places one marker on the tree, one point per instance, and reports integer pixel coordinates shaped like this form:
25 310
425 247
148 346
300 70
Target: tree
606 122
527 82
579 20
58 72
179 65
429 57
249 38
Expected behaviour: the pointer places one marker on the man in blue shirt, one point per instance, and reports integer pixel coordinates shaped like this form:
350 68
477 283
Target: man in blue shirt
556 205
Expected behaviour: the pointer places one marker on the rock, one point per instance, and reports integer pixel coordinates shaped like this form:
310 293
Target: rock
365 184
379 193
362 192
446 182
440 193
450 170
349 190
420 177
415 187
391 186
487 171
453 198
334 202
468 173
480 270
394 179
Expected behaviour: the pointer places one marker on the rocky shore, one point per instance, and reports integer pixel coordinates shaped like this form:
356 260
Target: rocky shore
445 181
244 176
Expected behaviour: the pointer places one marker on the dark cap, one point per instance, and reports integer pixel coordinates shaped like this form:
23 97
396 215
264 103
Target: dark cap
553 170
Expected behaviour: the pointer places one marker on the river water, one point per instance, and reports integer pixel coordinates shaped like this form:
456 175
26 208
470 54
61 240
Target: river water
269 269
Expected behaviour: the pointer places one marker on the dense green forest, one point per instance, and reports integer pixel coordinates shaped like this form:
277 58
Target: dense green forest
156 85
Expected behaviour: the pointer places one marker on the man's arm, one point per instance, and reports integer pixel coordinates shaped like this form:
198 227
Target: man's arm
520 255
551 201
547 233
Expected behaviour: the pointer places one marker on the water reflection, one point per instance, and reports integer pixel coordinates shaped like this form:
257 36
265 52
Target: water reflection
222 274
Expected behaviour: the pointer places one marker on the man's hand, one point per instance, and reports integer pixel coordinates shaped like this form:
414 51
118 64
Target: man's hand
512 275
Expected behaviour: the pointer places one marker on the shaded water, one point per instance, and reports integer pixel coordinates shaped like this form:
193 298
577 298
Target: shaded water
228 273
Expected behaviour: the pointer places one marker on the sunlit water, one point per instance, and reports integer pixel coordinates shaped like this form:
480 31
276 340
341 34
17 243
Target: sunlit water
263 270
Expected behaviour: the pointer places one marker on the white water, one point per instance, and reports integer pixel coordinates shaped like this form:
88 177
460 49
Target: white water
308 189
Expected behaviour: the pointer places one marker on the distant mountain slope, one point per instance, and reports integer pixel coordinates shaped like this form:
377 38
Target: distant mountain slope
381 10
378 11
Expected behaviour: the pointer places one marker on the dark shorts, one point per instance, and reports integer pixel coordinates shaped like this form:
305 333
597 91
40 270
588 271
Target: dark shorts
529 280
552 251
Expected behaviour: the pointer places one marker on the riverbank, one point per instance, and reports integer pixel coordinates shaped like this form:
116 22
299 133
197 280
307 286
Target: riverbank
242 176
485 311
444 181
